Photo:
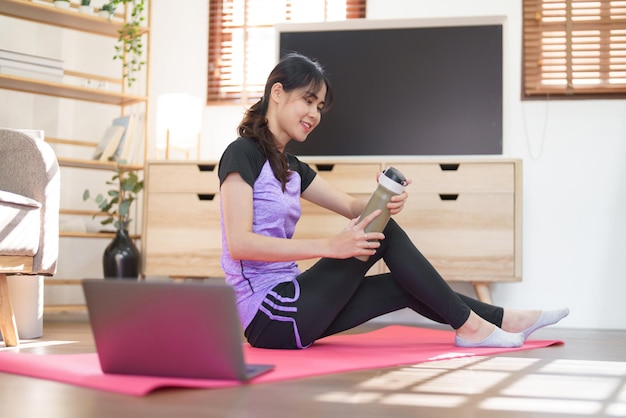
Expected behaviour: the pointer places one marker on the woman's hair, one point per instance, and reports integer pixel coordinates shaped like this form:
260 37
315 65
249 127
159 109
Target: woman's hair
293 71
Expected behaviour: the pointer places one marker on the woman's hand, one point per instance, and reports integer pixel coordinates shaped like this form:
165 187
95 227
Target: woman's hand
353 241
396 203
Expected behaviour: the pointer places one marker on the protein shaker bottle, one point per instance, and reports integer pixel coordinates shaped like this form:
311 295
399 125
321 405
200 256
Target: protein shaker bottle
391 182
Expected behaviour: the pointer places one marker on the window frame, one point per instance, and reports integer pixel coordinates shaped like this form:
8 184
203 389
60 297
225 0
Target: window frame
559 42
219 92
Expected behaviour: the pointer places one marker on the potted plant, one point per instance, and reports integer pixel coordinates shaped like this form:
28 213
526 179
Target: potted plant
121 257
85 7
107 10
130 43
62 4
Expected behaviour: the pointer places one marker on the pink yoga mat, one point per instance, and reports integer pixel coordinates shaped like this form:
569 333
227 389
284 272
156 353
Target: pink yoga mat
387 347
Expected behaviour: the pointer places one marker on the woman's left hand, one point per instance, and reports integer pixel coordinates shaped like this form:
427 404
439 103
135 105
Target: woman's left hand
396 204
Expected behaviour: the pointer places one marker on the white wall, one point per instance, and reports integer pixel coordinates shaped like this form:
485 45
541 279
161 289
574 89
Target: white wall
574 155
179 62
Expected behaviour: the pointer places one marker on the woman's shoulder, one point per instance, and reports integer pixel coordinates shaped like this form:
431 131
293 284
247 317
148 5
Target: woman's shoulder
244 144
307 174
246 149
244 156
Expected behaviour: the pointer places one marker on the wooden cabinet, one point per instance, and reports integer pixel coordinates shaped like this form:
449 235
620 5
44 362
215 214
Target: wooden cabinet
465 215
181 234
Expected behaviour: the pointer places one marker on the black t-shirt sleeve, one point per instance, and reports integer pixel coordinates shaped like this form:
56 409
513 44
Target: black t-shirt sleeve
307 174
241 156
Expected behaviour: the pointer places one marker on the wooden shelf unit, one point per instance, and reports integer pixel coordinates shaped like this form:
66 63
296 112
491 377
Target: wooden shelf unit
67 91
48 14
97 165
63 18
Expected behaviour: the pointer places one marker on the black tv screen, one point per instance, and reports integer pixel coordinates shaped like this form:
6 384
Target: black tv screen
407 90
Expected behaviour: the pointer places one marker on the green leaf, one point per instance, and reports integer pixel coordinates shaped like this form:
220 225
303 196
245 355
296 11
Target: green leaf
125 208
104 206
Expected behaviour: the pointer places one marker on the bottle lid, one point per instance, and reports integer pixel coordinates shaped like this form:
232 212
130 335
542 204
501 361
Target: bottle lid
393 180
395 175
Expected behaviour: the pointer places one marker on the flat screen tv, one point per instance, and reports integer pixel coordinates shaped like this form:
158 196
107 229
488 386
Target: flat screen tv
404 87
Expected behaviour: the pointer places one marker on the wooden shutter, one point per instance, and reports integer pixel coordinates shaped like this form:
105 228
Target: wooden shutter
237 66
355 9
574 47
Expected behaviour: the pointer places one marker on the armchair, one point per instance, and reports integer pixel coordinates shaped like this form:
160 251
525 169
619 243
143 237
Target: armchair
29 216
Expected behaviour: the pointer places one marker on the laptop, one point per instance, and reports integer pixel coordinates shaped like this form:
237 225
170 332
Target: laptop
168 329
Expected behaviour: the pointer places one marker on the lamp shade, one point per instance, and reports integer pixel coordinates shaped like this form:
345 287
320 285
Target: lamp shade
180 114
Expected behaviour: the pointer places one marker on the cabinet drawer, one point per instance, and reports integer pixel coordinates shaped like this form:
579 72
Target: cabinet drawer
470 238
458 211
349 177
196 264
474 256
459 177
183 210
188 259
183 177
183 236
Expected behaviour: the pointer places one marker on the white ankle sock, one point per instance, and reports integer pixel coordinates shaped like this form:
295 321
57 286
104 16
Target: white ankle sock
546 318
498 338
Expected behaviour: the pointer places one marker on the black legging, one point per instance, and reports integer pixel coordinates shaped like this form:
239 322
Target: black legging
335 295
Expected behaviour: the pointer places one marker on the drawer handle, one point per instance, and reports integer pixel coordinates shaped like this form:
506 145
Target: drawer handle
325 167
206 167
207 196
448 196
449 167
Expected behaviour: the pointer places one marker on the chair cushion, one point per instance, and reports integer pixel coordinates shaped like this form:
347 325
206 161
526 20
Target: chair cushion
20 224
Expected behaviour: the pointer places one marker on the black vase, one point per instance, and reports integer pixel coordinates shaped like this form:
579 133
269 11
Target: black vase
121 257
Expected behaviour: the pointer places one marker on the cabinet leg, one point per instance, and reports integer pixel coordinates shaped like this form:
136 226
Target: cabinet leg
482 292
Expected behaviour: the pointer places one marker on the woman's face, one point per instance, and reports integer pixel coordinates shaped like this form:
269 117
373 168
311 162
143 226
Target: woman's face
296 113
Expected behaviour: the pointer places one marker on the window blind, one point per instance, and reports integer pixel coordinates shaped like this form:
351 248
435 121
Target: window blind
574 48
242 45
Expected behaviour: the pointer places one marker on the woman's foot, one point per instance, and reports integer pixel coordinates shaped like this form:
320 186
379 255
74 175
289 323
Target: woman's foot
497 338
528 322
476 332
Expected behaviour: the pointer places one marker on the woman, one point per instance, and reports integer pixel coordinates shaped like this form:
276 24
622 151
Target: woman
281 307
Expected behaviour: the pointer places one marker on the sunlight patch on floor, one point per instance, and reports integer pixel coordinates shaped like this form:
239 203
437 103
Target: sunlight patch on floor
564 386
554 406
586 367
424 400
568 387
399 379
350 397
34 344
463 382
616 410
